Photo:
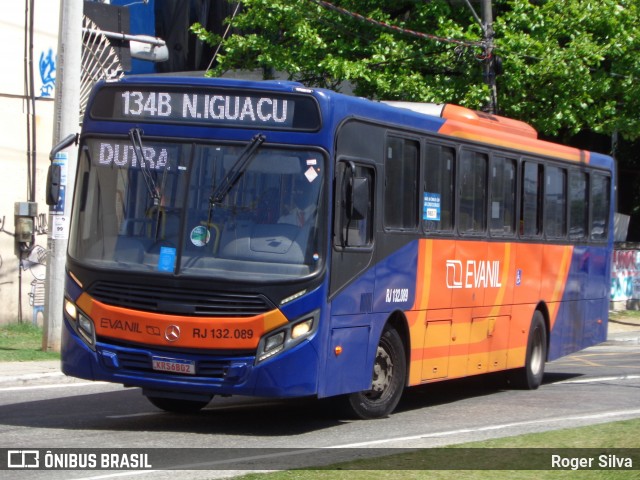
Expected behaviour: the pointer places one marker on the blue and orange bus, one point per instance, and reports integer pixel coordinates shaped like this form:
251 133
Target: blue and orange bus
263 238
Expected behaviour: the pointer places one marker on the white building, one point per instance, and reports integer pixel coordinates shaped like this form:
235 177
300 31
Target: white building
21 283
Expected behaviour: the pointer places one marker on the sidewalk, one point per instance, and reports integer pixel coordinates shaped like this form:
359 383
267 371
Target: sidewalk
625 331
22 374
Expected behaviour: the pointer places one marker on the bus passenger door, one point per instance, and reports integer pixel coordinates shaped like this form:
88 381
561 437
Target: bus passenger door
353 239
348 359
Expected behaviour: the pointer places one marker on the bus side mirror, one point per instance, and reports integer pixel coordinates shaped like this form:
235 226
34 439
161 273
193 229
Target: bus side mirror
359 200
54 175
64 143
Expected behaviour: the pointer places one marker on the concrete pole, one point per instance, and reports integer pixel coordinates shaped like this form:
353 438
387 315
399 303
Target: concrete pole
67 111
489 63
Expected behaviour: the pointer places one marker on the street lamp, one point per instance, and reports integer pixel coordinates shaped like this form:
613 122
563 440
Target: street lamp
143 47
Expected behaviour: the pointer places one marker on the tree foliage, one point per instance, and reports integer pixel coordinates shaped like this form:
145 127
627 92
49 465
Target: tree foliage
569 65
572 65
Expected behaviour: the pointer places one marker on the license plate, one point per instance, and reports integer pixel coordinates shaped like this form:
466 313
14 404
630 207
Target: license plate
174 365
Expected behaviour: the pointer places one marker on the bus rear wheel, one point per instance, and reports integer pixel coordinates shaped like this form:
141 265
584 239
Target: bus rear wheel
387 384
175 405
530 376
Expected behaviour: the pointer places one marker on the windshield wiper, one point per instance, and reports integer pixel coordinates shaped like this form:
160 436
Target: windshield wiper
236 170
135 134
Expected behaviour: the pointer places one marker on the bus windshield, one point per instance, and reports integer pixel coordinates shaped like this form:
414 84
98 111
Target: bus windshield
162 214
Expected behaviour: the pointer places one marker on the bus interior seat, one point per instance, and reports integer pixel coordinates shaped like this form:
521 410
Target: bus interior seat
276 242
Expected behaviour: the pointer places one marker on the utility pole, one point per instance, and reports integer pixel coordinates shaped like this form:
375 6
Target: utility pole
67 114
489 58
491 62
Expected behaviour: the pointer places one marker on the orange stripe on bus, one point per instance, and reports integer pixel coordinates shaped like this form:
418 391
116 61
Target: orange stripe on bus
529 145
230 333
474 303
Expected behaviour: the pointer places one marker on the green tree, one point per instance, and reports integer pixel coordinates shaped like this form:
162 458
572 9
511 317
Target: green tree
569 65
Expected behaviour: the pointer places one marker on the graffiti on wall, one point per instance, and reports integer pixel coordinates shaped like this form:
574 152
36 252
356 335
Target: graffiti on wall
36 264
47 67
625 275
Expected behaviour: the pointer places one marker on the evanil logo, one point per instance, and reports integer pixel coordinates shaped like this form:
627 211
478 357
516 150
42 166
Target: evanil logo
473 274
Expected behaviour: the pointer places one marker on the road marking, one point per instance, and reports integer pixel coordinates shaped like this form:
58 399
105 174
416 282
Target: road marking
588 363
311 450
58 385
121 474
142 414
594 416
599 379
221 463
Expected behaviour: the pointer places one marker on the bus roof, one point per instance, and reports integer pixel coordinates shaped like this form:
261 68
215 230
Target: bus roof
473 117
446 119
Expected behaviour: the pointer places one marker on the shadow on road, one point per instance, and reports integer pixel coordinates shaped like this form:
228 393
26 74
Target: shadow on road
128 410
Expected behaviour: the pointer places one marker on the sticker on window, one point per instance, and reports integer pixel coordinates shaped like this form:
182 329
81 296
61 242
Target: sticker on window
311 174
431 207
200 236
167 259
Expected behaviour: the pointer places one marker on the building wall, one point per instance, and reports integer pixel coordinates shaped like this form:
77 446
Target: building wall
13 151
625 277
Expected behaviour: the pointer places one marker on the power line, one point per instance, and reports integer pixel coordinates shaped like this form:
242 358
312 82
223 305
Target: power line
341 29
486 44
405 31
224 35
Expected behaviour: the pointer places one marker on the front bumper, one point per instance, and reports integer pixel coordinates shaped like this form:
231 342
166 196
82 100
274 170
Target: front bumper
293 373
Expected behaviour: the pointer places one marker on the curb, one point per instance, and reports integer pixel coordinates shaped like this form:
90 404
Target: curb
27 373
626 338
30 376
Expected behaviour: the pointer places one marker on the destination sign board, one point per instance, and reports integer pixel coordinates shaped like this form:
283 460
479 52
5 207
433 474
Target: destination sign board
205 106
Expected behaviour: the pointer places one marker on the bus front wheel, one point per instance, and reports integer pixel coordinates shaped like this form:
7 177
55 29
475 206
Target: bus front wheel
387 384
530 376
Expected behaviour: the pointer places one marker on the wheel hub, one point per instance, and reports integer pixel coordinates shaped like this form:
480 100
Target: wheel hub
382 371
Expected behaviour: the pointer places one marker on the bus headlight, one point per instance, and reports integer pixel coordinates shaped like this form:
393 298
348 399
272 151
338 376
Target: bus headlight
86 330
82 324
274 343
71 309
287 337
301 328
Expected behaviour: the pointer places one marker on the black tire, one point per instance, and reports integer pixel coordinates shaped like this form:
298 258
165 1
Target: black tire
175 405
530 376
388 380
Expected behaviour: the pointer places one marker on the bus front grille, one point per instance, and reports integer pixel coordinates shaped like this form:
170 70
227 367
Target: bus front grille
176 301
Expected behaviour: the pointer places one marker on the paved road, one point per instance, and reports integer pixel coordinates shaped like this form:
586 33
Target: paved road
597 385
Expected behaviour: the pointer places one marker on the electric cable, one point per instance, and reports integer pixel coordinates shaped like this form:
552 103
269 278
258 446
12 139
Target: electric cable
405 31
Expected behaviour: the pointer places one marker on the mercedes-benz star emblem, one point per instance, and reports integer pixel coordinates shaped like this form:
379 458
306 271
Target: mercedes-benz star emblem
172 333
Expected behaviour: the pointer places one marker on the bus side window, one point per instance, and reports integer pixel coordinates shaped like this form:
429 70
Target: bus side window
502 203
439 190
555 202
401 184
578 204
600 190
530 206
473 193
